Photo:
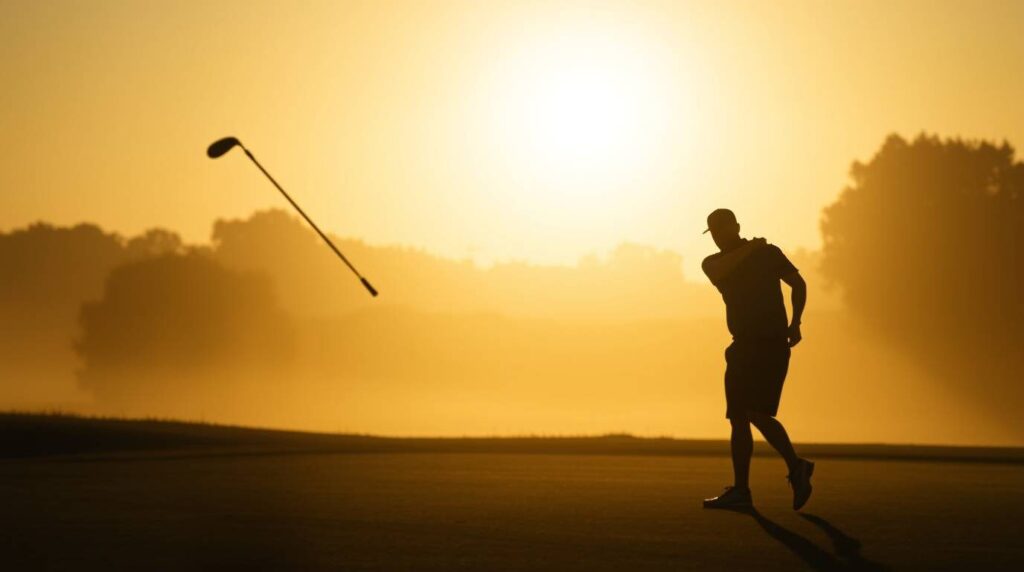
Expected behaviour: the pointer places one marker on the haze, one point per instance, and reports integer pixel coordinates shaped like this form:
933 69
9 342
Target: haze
525 182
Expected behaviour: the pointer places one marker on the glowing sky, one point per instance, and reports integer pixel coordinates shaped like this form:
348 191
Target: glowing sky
493 130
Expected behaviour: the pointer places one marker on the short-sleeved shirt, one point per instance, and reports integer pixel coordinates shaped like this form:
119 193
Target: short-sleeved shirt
754 307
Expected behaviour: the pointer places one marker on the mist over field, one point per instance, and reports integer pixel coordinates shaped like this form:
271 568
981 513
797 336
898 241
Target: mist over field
262 326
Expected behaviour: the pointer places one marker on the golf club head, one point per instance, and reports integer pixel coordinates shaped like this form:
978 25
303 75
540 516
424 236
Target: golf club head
221 146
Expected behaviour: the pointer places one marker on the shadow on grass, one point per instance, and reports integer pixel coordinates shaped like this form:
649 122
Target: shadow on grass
808 551
847 549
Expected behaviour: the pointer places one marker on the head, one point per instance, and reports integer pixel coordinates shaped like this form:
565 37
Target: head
723 228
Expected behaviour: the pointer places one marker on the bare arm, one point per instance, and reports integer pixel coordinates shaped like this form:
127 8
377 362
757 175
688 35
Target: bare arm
799 297
721 266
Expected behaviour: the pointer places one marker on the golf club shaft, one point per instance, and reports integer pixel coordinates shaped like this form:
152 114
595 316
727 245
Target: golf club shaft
366 283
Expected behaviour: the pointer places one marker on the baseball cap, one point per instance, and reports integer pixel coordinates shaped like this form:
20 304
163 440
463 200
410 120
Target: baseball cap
719 218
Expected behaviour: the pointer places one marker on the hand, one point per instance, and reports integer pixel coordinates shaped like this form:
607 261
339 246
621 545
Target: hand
749 247
794 335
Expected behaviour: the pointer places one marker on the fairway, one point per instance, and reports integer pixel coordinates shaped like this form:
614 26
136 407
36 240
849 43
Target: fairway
444 511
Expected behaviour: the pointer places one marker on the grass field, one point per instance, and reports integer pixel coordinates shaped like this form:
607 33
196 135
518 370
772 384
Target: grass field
95 494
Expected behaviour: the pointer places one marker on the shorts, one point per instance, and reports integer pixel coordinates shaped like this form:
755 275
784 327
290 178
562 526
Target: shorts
754 373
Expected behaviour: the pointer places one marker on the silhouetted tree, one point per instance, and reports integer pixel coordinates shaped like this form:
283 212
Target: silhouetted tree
49 271
171 325
308 277
927 244
46 273
153 243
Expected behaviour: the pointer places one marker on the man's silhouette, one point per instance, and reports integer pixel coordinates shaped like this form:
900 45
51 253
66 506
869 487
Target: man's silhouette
747 273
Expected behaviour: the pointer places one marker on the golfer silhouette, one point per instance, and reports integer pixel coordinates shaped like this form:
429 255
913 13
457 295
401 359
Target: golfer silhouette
748 275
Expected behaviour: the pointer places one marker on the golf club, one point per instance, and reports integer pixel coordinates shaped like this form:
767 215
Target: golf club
222 146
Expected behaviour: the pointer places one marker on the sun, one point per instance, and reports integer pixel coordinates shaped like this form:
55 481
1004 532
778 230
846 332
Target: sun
581 115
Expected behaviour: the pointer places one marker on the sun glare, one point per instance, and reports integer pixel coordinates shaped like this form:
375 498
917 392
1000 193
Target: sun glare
581 115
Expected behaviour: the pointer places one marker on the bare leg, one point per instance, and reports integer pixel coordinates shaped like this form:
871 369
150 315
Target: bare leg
777 437
742 448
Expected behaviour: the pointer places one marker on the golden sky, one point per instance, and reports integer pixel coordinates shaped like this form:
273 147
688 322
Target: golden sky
493 130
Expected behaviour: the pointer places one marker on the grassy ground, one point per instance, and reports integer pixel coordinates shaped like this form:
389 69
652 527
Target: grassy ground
35 435
235 506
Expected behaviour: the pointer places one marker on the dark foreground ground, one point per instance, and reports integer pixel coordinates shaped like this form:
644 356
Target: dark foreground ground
237 505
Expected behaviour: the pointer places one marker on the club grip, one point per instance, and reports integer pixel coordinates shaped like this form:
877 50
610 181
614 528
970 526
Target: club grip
369 287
